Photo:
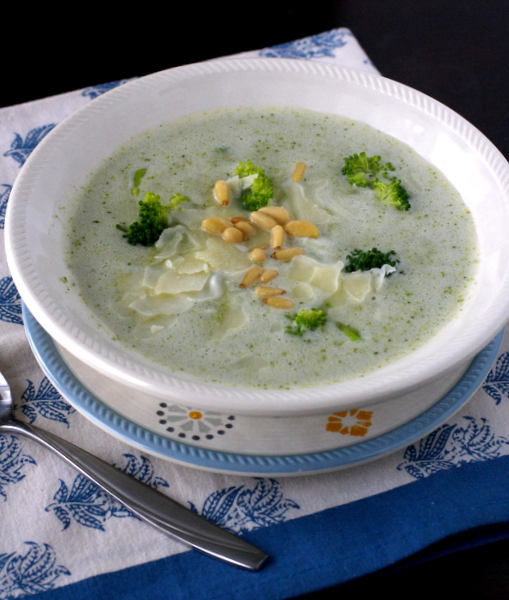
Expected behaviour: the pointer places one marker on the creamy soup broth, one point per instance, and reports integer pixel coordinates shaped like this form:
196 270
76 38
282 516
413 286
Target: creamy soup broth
180 301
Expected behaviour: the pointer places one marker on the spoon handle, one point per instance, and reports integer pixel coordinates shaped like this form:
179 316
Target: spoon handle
148 504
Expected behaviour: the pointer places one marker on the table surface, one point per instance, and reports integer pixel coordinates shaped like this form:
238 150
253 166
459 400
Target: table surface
458 53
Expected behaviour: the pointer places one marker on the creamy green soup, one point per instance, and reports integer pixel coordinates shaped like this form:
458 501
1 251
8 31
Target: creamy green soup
181 301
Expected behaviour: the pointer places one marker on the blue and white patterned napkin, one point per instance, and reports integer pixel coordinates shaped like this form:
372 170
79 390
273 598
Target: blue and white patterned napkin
62 536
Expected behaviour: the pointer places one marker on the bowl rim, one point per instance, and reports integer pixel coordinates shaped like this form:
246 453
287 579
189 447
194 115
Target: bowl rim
381 385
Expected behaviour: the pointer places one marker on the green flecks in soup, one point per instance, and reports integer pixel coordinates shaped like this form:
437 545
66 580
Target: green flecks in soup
368 253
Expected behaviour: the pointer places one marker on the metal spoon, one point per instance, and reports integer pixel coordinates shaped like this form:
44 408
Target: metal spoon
150 505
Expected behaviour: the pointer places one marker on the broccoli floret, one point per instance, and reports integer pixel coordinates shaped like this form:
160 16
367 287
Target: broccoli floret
306 319
350 332
392 193
153 219
364 260
362 171
258 194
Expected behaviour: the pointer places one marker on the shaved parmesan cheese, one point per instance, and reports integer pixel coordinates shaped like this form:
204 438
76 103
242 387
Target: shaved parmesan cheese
357 285
224 256
301 207
161 305
191 264
172 282
324 277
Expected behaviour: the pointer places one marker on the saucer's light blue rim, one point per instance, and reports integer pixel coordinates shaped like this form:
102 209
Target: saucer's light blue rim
293 464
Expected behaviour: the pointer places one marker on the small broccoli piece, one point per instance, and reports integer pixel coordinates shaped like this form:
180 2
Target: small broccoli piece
364 260
306 319
138 176
361 170
260 193
176 200
392 193
153 219
350 332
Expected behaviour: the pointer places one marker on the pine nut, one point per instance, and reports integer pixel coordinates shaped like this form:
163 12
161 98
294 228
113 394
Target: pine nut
222 192
251 276
246 227
298 173
301 229
278 302
268 275
236 220
233 235
263 220
277 237
278 213
266 291
258 255
287 253
216 224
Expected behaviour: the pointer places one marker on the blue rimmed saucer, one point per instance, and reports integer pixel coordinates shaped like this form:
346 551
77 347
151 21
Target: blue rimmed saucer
256 445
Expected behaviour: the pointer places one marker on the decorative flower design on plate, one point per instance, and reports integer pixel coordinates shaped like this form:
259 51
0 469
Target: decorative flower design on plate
350 422
192 424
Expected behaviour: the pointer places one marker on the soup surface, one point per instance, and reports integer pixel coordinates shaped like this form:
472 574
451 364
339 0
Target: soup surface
182 301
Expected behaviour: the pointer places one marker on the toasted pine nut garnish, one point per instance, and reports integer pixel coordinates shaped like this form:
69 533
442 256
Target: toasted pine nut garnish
298 172
288 253
265 291
216 224
258 255
268 275
278 213
246 227
222 192
302 229
251 276
236 220
263 220
278 302
233 235
277 237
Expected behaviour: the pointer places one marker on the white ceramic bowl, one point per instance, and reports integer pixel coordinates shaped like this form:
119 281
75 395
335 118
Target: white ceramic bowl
64 159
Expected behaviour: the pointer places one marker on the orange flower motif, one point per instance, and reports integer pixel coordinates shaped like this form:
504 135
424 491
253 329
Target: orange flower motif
350 422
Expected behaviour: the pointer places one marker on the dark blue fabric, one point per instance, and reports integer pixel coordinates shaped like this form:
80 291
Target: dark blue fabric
330 547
